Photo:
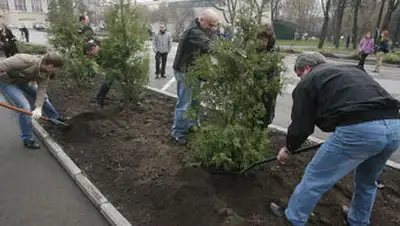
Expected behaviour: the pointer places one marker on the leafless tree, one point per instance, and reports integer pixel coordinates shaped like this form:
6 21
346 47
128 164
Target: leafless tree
276 5
355 23
341 5
325 8
392 6
228 8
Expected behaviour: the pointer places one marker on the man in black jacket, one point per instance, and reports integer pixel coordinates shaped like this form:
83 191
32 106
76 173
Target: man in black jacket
195 39
365 122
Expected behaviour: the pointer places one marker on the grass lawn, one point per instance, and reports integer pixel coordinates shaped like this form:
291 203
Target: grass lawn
307 43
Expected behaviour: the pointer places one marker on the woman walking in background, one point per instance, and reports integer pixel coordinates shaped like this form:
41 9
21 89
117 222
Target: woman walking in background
366 48
381 49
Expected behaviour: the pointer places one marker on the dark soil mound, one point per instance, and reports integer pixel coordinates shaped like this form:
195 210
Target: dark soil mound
131 159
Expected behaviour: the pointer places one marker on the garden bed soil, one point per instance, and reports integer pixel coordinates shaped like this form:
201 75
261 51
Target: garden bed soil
130 158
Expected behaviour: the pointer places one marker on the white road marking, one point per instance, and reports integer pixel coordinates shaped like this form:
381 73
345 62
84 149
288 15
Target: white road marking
168 84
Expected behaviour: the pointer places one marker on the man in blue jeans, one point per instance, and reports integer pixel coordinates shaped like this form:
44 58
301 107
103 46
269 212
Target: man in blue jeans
17 73
195 39
365 122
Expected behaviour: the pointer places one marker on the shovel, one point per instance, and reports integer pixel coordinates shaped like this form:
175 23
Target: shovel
57 122
298 151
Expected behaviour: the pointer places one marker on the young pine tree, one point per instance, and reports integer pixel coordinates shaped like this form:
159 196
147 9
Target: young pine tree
236 80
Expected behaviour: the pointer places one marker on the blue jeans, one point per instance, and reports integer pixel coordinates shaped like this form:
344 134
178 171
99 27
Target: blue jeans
185 102
364 147
19 96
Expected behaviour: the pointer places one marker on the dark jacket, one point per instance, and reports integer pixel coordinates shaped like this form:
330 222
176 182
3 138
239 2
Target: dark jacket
337 95
87 33
383 46
193 40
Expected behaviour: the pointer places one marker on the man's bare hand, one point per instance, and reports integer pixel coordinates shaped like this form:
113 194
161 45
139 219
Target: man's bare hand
283 155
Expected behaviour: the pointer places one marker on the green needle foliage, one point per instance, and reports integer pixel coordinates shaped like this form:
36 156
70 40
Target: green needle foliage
124 55
234 136
63 35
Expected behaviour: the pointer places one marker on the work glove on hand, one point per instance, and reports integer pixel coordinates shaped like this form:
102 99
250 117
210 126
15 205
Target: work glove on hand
37 113
283 155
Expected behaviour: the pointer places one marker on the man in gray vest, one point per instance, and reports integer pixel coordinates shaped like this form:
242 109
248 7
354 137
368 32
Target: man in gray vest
162 43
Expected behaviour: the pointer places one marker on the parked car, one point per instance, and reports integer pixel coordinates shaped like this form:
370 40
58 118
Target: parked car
39 26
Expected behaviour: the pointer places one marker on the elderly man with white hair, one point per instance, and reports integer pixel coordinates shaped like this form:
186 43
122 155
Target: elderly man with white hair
195 39
365 122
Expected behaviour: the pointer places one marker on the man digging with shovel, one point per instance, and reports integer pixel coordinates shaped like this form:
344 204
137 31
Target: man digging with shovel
16 73
365 122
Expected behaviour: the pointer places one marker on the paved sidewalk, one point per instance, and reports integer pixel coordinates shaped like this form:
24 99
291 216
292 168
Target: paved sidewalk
34 188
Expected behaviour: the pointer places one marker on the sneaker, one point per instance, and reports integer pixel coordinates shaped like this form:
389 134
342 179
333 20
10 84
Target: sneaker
163 76
379 184
157 77
31 144
179 140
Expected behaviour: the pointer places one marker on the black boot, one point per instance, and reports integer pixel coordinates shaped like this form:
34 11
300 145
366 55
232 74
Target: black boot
31 144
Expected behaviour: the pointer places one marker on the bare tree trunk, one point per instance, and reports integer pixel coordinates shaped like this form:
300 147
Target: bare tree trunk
378 24
339 21
355 24
274 9
392 6
326 23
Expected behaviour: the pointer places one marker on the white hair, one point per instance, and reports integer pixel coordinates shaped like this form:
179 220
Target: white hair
209 15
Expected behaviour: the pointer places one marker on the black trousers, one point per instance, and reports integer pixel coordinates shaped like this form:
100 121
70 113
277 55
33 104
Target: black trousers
161 58
362 60
103 91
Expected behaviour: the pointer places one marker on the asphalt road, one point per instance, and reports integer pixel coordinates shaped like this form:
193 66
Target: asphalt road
34 189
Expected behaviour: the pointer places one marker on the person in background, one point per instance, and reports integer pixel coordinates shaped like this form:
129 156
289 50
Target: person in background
24 33
9 41
348 39
17 73
85 30
267 35
91 48
195 39
381 49
365 122
366 47
162 44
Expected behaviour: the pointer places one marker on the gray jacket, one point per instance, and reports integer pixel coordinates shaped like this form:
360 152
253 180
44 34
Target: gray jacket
162 43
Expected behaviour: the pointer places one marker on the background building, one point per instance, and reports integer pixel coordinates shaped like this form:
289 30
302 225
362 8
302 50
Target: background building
15 13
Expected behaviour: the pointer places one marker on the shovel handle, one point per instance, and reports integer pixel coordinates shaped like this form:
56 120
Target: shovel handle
298 151
21 110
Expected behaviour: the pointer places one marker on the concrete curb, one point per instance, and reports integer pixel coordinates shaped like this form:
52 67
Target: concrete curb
112 215
279 128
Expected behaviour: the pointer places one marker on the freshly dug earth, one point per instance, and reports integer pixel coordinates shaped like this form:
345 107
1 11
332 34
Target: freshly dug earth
128 154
